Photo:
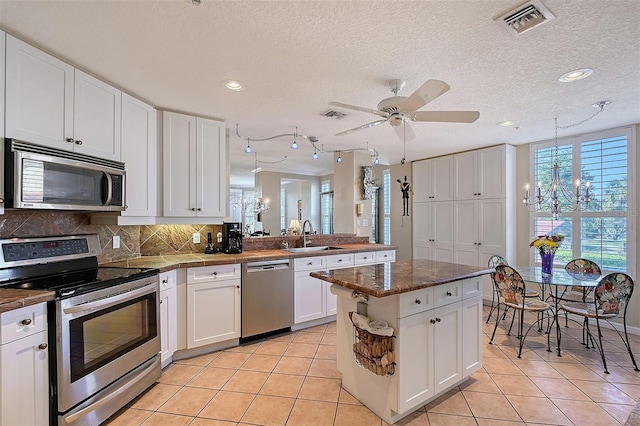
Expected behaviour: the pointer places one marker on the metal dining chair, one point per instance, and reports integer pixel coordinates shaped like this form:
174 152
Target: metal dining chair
511 291
611 297
577 268
494 261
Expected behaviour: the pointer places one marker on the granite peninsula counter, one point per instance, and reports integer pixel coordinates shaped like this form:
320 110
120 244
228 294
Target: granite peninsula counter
435 310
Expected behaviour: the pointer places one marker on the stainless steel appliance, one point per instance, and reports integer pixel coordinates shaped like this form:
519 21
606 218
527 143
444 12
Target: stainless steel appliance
267 297
39 177
232 237
103 326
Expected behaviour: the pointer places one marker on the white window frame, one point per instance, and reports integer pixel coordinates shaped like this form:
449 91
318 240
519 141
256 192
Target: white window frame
575 141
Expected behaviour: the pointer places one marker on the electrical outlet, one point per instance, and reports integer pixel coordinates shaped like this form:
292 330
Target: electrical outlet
116 242
196 238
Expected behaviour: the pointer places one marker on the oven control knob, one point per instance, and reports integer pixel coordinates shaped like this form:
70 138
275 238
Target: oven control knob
42 346
26 321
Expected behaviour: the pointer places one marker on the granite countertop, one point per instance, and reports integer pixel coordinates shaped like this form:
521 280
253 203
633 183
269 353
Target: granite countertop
11 299
399 277
175 261
14 298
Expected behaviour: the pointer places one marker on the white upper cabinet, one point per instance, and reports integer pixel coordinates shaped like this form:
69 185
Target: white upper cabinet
194 166
39 96
433 179
50 103
96 118
140 156
481 173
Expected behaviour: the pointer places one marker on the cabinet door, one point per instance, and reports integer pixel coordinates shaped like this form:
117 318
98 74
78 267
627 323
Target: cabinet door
213 312
442 176
441 222
211 168
415 351
24 381
422 223
140 156
448 346
168 316
465 232
39 96
422 250
309 298
96 117
331 300
472 335
422 181
492 228
492 172
179 164
465 175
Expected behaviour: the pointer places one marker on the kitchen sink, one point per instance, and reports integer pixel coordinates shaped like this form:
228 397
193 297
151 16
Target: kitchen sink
311 249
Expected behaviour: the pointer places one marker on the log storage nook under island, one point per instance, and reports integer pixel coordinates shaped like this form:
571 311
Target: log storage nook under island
407 331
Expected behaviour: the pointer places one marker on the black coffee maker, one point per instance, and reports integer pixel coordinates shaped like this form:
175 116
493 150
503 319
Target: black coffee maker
232 237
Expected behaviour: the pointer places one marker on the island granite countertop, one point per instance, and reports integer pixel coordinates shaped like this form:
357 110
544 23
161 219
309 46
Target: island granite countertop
399 277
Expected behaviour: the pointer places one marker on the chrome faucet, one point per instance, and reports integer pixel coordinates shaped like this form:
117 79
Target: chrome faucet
305 241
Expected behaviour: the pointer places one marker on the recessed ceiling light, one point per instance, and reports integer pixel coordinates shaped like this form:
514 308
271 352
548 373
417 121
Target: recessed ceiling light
575 75
506 123
233 85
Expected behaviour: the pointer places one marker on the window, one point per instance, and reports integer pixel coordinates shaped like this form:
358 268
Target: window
326 207
386 206
283 209
599 232
374 216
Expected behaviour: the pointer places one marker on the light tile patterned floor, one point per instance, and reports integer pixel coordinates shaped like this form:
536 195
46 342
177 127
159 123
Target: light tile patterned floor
293 380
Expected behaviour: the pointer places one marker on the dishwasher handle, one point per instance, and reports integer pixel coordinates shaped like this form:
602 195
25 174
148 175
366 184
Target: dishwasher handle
266 268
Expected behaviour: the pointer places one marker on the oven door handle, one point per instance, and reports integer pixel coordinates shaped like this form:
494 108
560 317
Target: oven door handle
108 301
92 407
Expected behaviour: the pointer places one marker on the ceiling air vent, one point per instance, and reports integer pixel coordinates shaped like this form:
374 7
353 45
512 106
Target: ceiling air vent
525 17
334 114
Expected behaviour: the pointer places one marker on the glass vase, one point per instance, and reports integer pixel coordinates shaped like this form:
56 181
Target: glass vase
547 263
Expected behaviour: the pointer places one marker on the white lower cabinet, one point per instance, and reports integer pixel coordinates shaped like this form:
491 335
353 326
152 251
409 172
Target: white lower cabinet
213 304
168 317
24 367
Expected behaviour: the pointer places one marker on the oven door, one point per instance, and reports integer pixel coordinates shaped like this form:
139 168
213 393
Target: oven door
103 335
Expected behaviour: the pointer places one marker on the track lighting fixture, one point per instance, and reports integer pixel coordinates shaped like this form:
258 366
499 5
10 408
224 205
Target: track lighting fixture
315 155
294 145
248 148
376 160
339 160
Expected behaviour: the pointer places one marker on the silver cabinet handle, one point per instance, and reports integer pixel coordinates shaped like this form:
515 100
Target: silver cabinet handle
43 346
70 140
418 301
25 321
165 281
78 142
449 293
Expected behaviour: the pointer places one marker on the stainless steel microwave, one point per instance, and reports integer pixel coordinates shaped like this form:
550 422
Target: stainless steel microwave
40 177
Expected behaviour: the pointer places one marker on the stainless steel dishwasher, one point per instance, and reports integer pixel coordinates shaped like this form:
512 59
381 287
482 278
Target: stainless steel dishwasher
267 297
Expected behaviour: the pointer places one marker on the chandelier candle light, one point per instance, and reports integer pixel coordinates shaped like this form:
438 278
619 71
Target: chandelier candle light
556 193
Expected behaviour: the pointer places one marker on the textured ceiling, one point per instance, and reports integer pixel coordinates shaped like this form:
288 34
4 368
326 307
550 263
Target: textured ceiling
296 56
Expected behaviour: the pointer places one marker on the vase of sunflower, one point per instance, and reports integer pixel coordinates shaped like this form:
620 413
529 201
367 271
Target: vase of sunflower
547 246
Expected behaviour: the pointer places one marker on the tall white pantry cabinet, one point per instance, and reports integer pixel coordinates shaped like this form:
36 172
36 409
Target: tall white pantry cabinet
464 207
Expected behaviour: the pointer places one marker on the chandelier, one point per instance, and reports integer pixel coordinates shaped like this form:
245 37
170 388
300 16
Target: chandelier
260 206
555 193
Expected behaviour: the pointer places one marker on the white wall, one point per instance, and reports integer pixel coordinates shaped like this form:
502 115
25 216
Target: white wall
347 186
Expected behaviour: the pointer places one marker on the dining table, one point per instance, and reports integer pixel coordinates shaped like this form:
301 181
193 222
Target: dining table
559 278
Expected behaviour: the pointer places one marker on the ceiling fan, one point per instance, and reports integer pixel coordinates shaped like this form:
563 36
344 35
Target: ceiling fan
399 110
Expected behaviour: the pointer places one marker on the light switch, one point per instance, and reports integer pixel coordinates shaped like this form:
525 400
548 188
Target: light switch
116 241
196 238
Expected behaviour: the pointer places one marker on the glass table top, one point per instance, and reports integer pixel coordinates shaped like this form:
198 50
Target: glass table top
559 277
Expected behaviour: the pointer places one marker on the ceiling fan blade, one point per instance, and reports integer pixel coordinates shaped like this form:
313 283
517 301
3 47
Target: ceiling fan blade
425 94
404 132
366 126
362 109
446 116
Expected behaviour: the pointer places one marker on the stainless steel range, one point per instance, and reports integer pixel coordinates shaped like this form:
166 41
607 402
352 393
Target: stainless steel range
103 325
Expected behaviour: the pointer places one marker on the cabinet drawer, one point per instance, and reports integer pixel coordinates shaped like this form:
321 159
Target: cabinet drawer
471 287
444 294
213 273
364 258
315 263
167 280
340 260
23 322
385 256
415 302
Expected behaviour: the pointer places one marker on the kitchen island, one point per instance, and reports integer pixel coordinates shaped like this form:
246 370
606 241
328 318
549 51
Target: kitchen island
435 310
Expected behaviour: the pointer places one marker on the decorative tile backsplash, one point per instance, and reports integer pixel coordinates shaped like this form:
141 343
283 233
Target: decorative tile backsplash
134 240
